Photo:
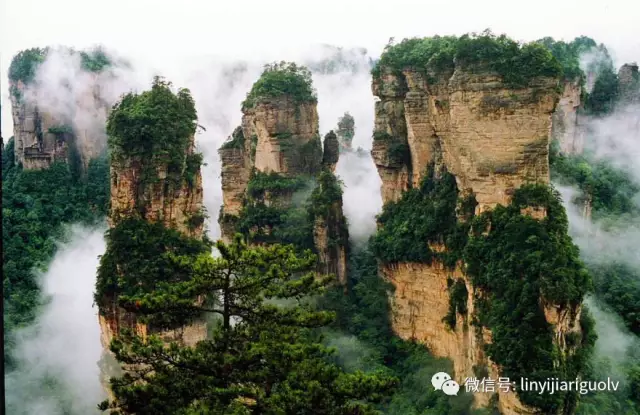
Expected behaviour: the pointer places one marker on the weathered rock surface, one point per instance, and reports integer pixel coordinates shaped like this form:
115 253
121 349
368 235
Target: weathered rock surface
331 151
38 126
175 206
565 126
493 139
281 136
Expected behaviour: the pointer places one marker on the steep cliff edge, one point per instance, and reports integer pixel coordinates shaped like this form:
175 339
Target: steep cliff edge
459 141
565 125
48 130
155 212
274 162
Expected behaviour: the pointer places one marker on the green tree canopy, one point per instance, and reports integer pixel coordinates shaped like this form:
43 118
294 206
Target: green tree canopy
282 79
259 358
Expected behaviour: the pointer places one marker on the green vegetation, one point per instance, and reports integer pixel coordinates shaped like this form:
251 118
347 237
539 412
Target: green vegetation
24 65
36 206
281 222
95 60
365 340
568 54
260 357
458 294
274 184
613 194
156 126
618 285
235 141
423 216
519 261
284 79
346 130
60 130
612 191
602 99
139 260
517 64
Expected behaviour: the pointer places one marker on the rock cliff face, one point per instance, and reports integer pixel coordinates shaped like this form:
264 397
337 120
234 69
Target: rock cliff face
565 126
175 205
280 137
44 135
490 137
629 81
493 139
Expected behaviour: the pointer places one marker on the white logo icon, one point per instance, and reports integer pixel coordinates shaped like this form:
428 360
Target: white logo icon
439 378
450 387
443 381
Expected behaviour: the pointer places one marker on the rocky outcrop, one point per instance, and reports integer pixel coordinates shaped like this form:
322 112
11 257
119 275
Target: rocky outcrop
175 204
490 137
45 133
279 141
287 138
629 82
565 126
493 139
331 151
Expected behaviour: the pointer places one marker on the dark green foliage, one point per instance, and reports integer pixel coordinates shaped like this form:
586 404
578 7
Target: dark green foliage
138 260
193 162
382 136
24 64
603 96
346 129
612 190
458 295
94 60
60 130
517 64
423 215
326 194
568 54
274 183
235 141
618 285
520 260
284 79
35 207
365 313
399 153
435 54
156 126
263 363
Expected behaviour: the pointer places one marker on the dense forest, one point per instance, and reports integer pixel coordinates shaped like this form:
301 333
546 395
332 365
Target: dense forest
303 345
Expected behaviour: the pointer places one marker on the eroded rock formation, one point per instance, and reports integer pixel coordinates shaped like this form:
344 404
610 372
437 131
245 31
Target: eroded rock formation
490 137
279 140
493 139
565 126
45 131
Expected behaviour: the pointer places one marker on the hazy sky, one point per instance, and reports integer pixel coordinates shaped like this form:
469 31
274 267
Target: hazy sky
162 30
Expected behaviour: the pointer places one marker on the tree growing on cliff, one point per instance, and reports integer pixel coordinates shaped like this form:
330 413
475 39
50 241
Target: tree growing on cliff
346 131
279 80
259 359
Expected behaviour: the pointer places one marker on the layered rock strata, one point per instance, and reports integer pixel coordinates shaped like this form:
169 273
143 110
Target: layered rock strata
280 136
493 139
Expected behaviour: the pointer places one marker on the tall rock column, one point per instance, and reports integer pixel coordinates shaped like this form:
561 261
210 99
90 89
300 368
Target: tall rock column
453 140
271 166
66 126
156 208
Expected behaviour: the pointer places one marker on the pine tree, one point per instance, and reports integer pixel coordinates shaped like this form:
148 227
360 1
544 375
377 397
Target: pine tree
261 357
